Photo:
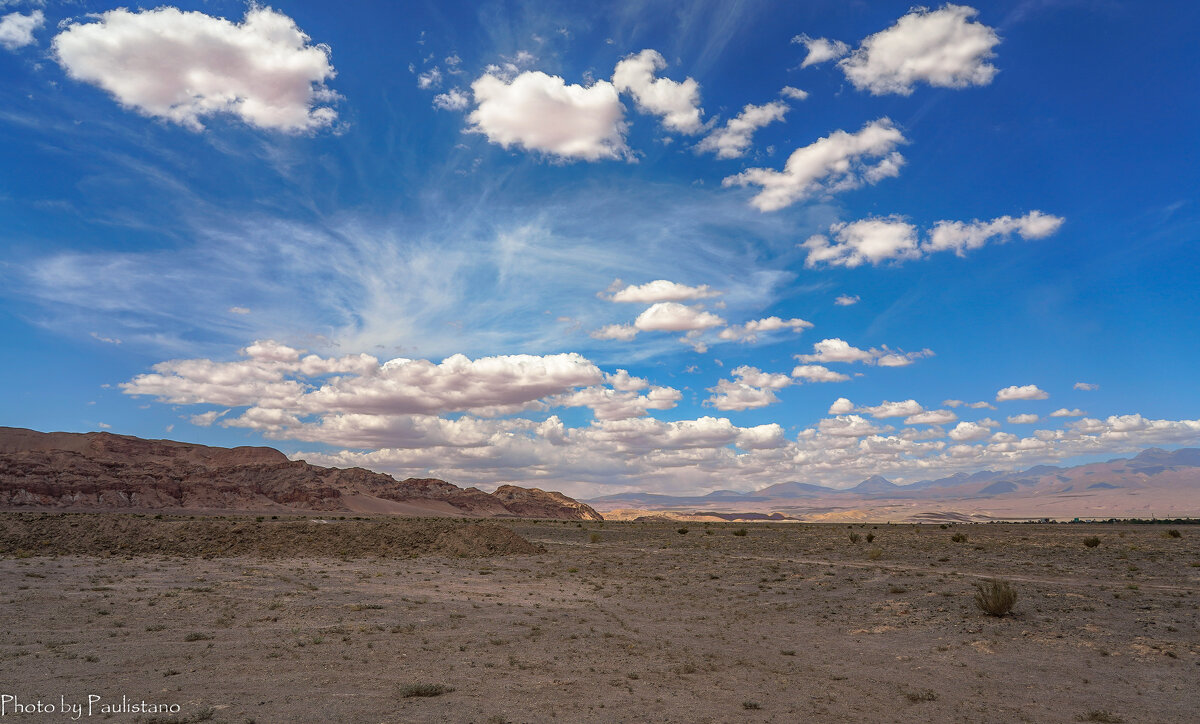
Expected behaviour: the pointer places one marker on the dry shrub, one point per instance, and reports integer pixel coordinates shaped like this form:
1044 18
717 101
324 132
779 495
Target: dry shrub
995 597
1091 541
959 537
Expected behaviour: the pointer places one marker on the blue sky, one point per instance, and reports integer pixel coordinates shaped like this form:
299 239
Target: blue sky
606 247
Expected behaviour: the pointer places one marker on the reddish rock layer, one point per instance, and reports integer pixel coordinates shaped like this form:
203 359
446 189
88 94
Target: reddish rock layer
99 470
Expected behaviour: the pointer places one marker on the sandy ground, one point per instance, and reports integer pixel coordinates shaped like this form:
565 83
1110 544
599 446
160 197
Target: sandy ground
627 622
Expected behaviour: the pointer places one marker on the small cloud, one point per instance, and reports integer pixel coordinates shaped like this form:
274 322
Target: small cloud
16 30
452 100
1024 392
820 50
749 331
1064 412
622 332
106 340
1026 419
841 406
817 373
793 93
846 300
430 79
676 102
239 310
659 290
206 419
103 425
1086 386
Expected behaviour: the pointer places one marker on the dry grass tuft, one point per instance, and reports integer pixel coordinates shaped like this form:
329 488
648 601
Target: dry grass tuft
995 597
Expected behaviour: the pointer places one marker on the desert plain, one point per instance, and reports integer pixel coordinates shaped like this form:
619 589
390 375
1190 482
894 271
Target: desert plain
357 619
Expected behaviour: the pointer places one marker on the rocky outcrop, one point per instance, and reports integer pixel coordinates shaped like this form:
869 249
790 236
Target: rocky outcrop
537 503
99 470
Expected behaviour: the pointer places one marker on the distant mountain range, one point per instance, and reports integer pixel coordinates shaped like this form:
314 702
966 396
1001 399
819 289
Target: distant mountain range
1156 482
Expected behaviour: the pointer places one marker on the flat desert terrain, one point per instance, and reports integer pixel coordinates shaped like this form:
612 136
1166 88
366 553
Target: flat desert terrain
604 622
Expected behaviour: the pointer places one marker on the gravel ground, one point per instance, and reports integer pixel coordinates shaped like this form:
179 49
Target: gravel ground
623 622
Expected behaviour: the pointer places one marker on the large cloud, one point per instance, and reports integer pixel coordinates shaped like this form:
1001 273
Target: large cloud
417 417
279 377
941 47
831 164
540 112
678 103
184 66
16 30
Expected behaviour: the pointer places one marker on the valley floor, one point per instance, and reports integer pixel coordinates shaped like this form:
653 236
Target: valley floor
628 622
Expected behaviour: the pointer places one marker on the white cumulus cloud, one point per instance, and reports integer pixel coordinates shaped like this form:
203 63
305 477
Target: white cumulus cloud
837 162
16 30
961 237
876 240
817 373
838 350
820 50
661 290
1023 392
677 102
1086 386
1024 419
184 66
751 389
845 300
868 241
622 332
931 417
749 331
452 100
733 139
943 48
540 112
1064 412
675 317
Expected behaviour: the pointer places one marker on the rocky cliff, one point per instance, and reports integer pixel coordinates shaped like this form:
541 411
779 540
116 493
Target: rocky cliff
99 470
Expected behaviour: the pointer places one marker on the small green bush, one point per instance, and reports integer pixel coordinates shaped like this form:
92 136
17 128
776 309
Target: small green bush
959 537
1173 533
740 531
1091 541
682 531
870 537
855 537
